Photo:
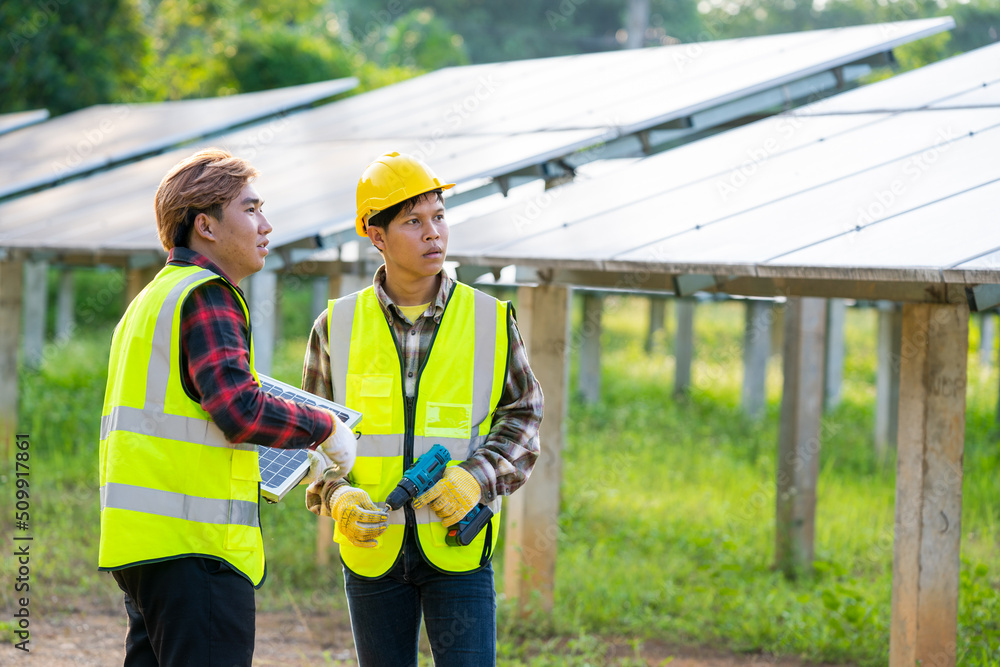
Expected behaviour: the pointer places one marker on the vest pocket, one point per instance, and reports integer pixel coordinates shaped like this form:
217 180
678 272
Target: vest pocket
246 465
375 400
242 538
448 420
367 475
438 533
245 477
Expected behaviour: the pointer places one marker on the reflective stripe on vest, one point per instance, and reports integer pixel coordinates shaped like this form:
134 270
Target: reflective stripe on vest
457 392
171 484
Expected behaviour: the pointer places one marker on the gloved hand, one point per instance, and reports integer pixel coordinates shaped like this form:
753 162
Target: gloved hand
319 492
356 515
341 447
318 462
453 496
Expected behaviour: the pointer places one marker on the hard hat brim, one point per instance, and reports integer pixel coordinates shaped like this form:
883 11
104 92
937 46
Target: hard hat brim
361 220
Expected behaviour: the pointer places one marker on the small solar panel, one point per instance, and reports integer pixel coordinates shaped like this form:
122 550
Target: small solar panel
282 469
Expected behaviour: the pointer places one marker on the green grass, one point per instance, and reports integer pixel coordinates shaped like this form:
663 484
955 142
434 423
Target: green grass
667 523
668 506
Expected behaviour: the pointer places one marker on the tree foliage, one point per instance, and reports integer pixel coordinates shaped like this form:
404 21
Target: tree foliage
421 40
63 55
278 56
977 22
68 54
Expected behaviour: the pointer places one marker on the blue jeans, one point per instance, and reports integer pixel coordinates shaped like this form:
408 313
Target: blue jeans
459 613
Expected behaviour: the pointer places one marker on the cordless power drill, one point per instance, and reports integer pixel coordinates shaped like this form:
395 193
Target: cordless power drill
419 478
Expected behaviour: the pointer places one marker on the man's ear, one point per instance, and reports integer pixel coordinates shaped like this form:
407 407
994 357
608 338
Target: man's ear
204 226
377 236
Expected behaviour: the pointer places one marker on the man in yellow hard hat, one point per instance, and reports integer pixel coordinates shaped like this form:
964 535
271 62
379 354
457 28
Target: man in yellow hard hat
428 360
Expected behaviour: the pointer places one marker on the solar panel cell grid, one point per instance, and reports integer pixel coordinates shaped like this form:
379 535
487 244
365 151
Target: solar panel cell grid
282 469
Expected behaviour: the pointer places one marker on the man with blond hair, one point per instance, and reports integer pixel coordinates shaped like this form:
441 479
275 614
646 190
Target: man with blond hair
180 527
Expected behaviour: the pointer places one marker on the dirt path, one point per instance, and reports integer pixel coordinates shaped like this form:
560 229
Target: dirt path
286 638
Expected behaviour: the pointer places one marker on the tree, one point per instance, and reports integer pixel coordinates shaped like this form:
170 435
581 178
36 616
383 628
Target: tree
421 40
278 56
207 48
518 29
63 55
976 24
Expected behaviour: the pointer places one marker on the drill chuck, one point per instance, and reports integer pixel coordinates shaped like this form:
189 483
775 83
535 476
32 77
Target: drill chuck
419 477
404 491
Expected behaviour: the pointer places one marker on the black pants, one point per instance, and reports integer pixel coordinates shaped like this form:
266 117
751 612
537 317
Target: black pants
187 612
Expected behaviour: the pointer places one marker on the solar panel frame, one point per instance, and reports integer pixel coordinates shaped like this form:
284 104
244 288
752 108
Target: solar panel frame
106 134
18 119
282 469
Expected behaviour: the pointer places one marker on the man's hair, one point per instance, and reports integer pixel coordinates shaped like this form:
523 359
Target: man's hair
202 183
383 218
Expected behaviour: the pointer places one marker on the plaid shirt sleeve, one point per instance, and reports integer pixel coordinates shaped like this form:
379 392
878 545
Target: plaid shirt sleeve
504 463
316 367
215 356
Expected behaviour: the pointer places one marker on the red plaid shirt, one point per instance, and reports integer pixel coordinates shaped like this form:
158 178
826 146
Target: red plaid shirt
215 367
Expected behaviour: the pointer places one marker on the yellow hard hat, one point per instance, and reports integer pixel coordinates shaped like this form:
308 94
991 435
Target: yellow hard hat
390 179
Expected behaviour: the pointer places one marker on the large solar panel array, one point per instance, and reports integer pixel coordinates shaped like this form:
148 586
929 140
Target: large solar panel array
101 135
468 122
894 181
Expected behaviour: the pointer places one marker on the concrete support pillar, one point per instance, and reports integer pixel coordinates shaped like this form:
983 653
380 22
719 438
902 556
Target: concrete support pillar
589 379
263 304
799 438
833 370
684 347
657 320
11 280
532 513
638 21
987 332
36 290
890 322
65 304
756 351
320 295
334 282
925 567
137 279
778 327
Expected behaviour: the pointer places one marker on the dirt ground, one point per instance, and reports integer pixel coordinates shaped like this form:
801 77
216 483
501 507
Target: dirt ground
286 638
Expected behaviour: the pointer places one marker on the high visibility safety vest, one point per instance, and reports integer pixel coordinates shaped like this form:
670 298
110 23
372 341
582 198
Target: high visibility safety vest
171 484
457 391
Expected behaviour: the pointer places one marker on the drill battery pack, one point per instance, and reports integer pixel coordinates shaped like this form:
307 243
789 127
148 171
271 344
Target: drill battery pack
463 532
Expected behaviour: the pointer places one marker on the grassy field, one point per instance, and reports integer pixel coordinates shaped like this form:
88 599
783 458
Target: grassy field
667 523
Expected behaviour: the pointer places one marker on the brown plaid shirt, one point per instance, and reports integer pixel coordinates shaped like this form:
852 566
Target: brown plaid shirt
503 464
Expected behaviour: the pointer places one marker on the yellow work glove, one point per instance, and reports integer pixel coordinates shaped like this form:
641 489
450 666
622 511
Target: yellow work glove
453 496
356 515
